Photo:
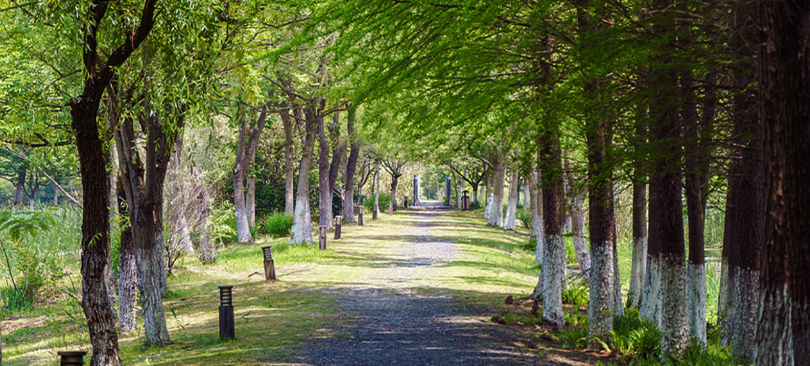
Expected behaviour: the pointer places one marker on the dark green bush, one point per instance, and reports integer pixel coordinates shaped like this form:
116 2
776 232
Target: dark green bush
277 225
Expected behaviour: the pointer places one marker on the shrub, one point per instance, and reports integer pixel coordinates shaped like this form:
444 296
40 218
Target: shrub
525 216
576 292
474 205
635 336
368 204
277 225
222 224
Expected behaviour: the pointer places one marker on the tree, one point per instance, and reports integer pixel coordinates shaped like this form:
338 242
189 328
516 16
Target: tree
393 165
782 61
95 185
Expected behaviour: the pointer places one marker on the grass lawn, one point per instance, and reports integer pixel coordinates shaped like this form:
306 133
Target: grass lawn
273 320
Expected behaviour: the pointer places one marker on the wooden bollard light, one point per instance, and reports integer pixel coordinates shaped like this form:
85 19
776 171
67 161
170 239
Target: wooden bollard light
322 240
269 264
360 220
338 224
71 358
227 329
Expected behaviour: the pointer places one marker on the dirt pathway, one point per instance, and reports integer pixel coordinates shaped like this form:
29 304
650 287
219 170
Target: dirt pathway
394 322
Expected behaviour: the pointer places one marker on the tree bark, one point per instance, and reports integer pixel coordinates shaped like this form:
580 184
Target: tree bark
289 151
639 267
302 219
19 194
666 186
250 196
245 151
376 208
783 65
127 271
554 217
351 166
496 205
536 202
511 205
95 185
324 187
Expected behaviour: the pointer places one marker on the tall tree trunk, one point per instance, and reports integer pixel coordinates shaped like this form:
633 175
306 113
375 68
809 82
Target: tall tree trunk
127 271
93 162
536 203
351 166
302 219
250 196
324 188
639 267
578 231
95 230
19 195
376 208
496 207
245 151
744 204
511 205
392 203
554 220
783 55
338 152
665 186
697 174
488 198
289 169
526 193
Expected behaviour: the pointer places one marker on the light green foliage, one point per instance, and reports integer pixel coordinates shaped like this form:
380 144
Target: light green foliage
576 292
277 225
222 223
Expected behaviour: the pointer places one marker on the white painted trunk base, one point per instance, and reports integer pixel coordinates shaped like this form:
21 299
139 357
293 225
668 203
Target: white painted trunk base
637 272
651 293
724 313
696 275
601 303
301 231
674 322
774 345
553 278
496 211
745 307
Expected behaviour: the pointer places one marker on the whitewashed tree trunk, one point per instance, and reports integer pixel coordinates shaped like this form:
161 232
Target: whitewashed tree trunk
697 300
301 231
617 284
527 193
746 306
496 209
553 278
511 205
537 215
674 320
250 196
376 208
639 268
651 294
578 239
601 302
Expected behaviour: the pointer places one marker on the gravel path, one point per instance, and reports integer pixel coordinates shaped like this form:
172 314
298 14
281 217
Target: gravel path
393 325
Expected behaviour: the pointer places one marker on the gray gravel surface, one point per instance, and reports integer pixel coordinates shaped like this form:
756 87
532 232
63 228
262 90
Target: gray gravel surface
393 324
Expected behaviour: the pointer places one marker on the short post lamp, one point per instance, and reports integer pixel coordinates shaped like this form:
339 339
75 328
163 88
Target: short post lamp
406 202
322 240
269 264
360 220
375 211
71 358
227 329
338 224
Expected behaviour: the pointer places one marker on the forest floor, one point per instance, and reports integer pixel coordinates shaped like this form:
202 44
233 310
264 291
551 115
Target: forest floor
418 287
